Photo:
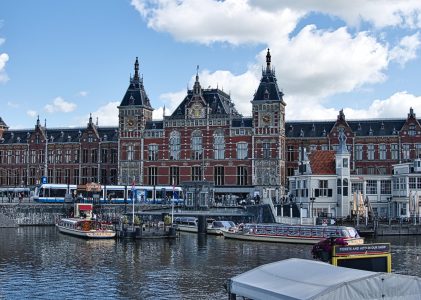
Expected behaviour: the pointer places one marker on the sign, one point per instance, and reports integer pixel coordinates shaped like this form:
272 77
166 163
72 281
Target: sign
361 249
44 180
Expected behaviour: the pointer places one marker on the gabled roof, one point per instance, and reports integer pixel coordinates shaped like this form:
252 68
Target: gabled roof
136 94
322 162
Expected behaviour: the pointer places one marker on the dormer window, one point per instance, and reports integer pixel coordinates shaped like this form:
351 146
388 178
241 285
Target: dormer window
411 130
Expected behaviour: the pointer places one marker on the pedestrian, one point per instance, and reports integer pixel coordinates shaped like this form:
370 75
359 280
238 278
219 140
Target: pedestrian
20 197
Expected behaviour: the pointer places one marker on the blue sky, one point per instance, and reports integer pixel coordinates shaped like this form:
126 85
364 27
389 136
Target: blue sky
63 60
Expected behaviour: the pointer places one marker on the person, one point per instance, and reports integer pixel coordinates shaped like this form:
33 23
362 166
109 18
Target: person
20 197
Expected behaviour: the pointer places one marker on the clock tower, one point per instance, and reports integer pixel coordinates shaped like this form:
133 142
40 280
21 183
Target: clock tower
268 109
133 112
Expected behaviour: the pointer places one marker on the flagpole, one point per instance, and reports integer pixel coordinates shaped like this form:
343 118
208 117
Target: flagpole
173 200
133 190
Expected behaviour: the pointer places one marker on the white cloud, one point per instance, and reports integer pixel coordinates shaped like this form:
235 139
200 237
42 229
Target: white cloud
82 93
207 21
107 115
31 113
4 58
380 13
12 104
406 50
60 105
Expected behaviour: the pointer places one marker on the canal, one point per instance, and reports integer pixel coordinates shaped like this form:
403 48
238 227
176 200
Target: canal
40 263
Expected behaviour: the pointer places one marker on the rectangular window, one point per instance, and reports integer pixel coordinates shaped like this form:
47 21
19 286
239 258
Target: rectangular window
382 151
345 163
385 187
153 152
418 183
394 151
67 176
357 187
218 175
76 176
412 183
370 152
174 176
68 156
290 153
113 156
242 150
152 175
371 187
104 155
266 150
358 152
94 155
130 152
196 173
113 177
241 175
77 155
104 178
405 152
85 156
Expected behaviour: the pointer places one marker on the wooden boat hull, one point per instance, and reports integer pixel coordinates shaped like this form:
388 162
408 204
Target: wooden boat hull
91 234
282 239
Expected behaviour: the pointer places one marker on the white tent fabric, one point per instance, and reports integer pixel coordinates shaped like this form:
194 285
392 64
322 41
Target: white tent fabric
306 279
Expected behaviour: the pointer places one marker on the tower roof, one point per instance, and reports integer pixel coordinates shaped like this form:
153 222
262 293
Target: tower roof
268 88
136 94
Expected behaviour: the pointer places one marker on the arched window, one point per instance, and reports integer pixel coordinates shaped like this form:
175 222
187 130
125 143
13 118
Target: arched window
175 145
219 145
339 186
196 145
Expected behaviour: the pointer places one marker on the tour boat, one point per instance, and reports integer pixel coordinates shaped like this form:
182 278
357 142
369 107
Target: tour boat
218 227
300 234
86 228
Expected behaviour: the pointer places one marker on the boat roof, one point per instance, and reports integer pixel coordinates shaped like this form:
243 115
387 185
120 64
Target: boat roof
75 220
307 279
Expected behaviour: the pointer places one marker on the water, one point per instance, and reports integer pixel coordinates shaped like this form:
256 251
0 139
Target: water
40 263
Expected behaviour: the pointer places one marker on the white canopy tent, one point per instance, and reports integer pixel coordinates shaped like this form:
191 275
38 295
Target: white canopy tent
307 279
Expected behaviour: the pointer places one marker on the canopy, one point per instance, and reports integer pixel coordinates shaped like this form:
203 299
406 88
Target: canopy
306 279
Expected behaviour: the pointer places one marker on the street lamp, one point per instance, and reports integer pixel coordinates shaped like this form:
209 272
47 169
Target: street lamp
290 211
389 200
301 213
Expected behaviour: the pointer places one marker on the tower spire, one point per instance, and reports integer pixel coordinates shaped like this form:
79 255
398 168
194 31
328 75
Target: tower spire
268 59
197 90
136 70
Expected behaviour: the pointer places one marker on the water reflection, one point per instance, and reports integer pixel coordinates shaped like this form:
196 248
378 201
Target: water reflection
40 263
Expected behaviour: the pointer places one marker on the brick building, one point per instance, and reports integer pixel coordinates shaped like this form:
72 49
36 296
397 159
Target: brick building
205 139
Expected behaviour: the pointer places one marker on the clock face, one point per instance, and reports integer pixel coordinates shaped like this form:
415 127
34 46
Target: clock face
197 111
130 122
266 119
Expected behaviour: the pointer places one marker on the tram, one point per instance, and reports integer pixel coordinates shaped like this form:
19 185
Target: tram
116 194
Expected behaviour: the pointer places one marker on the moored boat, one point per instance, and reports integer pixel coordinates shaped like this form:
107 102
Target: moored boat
300 234
218 227
190 224
85 228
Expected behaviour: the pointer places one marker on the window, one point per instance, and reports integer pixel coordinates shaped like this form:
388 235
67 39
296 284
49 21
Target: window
76 176
218 145
357 187
174 176
196 173
371 187
241 175
382 151
152 175
385 187
68 156
104 155
196 145
394 151
175 145
345 186
113 158
242 150
323 190
339 186
411 130
358 152
345 163
218 176
153 152
370 152
130 152
290 153
266 150
85 156
405 152
94 155
417 150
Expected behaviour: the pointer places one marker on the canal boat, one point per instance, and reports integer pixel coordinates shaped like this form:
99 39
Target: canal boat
299 234
217 227
190 224
85 228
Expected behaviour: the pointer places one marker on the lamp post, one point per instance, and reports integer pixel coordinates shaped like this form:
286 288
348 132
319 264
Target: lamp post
282 207
389 200
301 213
290 212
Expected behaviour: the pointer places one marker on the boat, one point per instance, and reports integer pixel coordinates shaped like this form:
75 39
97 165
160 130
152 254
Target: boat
217 227
190 224
85 228
299 234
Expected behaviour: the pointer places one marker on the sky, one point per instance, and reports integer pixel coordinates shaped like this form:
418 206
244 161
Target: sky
64 60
